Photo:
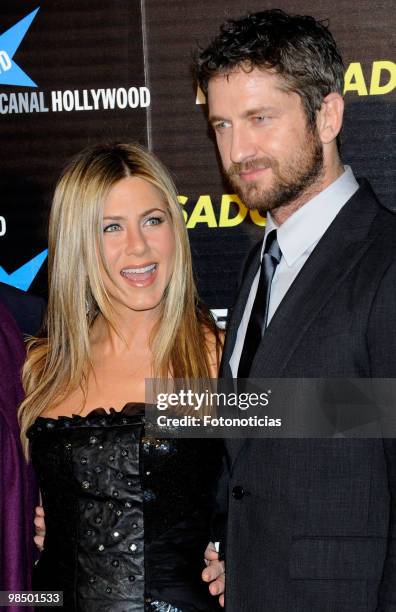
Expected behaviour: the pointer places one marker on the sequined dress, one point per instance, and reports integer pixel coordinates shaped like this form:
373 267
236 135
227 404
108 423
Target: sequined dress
127 516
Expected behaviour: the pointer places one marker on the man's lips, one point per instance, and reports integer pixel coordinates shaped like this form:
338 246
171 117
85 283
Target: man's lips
141 276
252 174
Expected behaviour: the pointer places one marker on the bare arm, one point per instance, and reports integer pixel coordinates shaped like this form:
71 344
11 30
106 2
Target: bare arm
39 524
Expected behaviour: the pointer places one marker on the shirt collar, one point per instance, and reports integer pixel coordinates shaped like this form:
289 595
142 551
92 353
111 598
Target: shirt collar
304 228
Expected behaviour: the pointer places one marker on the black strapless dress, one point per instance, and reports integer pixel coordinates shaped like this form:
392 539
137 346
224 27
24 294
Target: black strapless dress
127 515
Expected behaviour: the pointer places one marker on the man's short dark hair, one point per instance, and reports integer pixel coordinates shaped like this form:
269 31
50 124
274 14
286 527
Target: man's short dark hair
301 50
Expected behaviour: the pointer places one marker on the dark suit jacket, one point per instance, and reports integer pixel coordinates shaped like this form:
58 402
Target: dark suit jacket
28 310
315 528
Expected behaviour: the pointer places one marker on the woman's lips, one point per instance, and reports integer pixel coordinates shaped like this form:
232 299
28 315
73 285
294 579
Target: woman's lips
142 276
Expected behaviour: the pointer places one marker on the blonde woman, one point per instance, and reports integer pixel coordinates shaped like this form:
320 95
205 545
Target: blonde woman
126 515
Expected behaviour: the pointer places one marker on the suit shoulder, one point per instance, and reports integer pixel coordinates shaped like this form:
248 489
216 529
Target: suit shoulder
385 229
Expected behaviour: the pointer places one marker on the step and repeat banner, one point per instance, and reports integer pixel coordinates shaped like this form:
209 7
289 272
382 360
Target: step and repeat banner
76 72
71 74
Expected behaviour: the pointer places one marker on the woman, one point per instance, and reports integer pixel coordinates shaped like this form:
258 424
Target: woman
126 515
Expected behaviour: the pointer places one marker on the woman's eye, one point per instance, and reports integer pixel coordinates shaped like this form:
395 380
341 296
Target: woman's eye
154 220
113 227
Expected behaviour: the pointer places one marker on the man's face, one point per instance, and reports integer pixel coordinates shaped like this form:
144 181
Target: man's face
268 152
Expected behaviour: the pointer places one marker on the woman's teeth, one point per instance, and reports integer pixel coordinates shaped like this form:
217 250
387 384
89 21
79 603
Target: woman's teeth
132 271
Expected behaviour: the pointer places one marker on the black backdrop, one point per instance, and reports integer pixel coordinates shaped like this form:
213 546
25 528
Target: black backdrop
132 60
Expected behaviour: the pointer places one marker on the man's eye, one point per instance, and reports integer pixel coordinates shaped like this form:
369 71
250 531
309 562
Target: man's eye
113 227
220 125
260 118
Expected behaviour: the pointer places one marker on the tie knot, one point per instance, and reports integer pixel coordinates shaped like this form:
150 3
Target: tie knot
272 247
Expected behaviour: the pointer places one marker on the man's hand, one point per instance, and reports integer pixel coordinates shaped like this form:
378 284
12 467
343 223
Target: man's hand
39 524
214 572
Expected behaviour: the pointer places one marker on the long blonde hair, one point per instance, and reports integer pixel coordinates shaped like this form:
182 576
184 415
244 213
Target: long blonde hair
58 360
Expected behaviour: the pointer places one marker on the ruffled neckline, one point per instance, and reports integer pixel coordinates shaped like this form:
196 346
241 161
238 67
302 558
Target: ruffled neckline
131 412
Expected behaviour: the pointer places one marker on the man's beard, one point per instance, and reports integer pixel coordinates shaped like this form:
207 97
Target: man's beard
299 172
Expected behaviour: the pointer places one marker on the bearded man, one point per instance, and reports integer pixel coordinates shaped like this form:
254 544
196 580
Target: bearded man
310 522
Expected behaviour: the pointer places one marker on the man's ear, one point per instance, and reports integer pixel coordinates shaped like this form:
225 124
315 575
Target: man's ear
329 117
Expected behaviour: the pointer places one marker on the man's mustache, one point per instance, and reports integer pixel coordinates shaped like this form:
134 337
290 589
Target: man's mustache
237 168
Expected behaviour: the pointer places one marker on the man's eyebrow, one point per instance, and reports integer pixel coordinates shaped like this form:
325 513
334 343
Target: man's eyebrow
248 113
215 119
259 110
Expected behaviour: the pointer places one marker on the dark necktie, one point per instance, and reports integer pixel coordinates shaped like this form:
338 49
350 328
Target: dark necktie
258 317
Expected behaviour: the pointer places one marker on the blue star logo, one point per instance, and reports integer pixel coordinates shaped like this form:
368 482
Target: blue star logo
10 72
23 277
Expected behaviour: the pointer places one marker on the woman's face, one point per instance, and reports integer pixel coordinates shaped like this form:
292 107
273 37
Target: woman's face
138 243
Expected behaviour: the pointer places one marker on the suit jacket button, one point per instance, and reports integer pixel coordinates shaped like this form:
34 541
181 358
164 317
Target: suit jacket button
238 492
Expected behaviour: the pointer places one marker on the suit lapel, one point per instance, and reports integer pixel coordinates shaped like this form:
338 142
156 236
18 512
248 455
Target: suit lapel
251 266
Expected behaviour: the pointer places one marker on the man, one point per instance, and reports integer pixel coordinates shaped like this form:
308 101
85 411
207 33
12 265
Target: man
311 523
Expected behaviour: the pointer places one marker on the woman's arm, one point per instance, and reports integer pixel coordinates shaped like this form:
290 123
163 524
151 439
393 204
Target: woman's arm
39 525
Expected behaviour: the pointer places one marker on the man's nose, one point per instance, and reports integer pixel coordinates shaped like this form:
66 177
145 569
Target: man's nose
243 146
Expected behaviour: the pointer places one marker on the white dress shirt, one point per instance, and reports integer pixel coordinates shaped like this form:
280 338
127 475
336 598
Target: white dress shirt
297 238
